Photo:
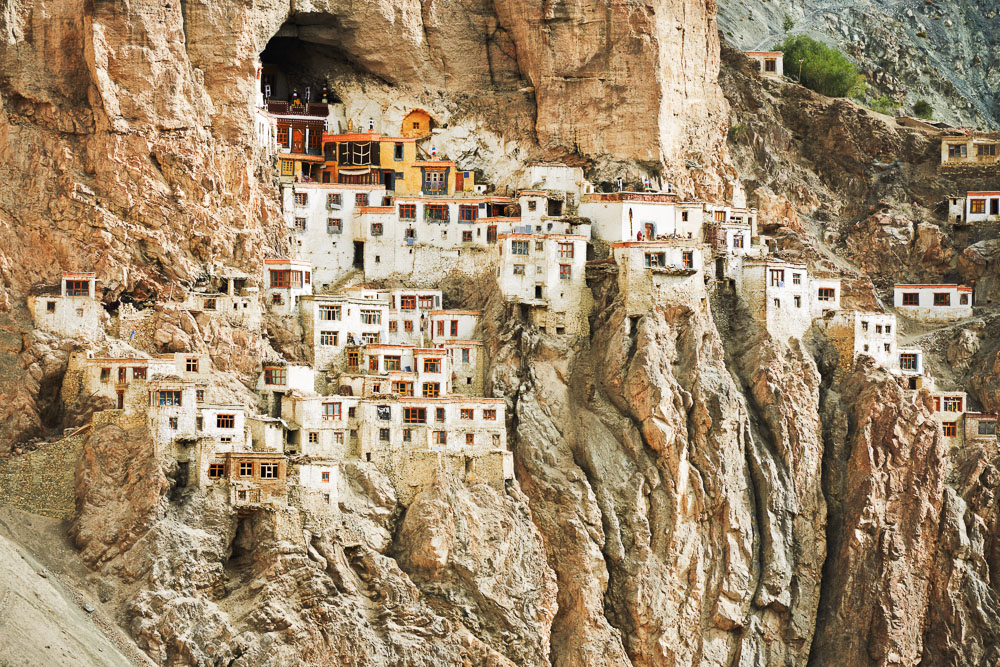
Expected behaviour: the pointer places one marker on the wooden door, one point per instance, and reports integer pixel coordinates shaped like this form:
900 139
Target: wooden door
491 234
298 140
459 181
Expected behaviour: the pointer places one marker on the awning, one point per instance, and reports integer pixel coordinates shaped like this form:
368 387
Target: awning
355 172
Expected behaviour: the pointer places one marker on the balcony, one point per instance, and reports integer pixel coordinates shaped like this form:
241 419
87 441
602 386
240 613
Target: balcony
286 109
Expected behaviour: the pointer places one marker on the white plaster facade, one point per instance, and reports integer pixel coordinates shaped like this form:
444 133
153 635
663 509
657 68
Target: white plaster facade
771 63
448 325
285 280
975 207
651 273
546 274
933 303
75 311
781 295
866 333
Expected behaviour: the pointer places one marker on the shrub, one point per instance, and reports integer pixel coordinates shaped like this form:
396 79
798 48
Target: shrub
787 23
884 104
923 109
825 70
737 132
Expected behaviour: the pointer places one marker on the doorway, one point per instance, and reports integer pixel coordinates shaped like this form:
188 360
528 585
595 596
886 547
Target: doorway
995 207
298 140
359 254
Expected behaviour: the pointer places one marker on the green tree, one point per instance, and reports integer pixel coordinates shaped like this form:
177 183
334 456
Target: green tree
884 104
825 70
787 23
923 109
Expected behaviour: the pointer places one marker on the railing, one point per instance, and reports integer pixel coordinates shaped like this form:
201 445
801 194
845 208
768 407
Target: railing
286 109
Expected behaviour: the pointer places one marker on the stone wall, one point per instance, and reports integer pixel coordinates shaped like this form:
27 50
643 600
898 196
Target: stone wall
42 481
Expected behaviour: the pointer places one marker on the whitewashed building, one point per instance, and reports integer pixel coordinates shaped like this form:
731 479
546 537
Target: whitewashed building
782 296
285 280
75 311
651 273
933 303
974 207
771 63
545 275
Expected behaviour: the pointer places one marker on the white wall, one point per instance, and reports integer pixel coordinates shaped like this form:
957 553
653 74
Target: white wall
925 310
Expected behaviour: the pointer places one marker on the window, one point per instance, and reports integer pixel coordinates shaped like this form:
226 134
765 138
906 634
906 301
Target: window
977 206
402 388
376 229
408 211
953 403
957 150
942 299
911 298
878 328
331 410
435 181
454 328
566 250
210 304
246 468
139 373
467 237
798 301
738 241
519 247
278 376
225 421
431 389
370 338
986 150
777 278
277 299
963 299
864 326
199 395
770 65
216 470
416 125
777 303
440 327
470 439
414 415
829 294
168 397
287 166
436 212
466 413
373 362
329 313
286 278
949 429
353 358
490 414
987 428
687 259
684 216
908 361
371 317
123 374
105 375
191 364
426 301
888 328
77 288
467 213
440 438
324 477
383 435
465 355
408 325
496 439
887 347
532 205
408 302
432 365
50 307
300 224
338 438
565 271
361 199
655 259
796 278
172 423
269 471
937 404
392 363
328 337
397 151
301 198
333 200
334 226
519 269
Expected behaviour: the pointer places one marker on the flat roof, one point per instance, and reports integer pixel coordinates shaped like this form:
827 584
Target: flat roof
621 197
433 163
960 288
572 237
456 312
983 194
764 53
365 136
293 262
668 243
79 276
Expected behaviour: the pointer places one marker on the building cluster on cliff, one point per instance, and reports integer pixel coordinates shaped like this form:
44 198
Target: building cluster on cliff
395 379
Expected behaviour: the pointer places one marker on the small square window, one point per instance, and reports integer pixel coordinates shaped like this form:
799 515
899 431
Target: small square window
50 307
172 423
246 468
313 437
